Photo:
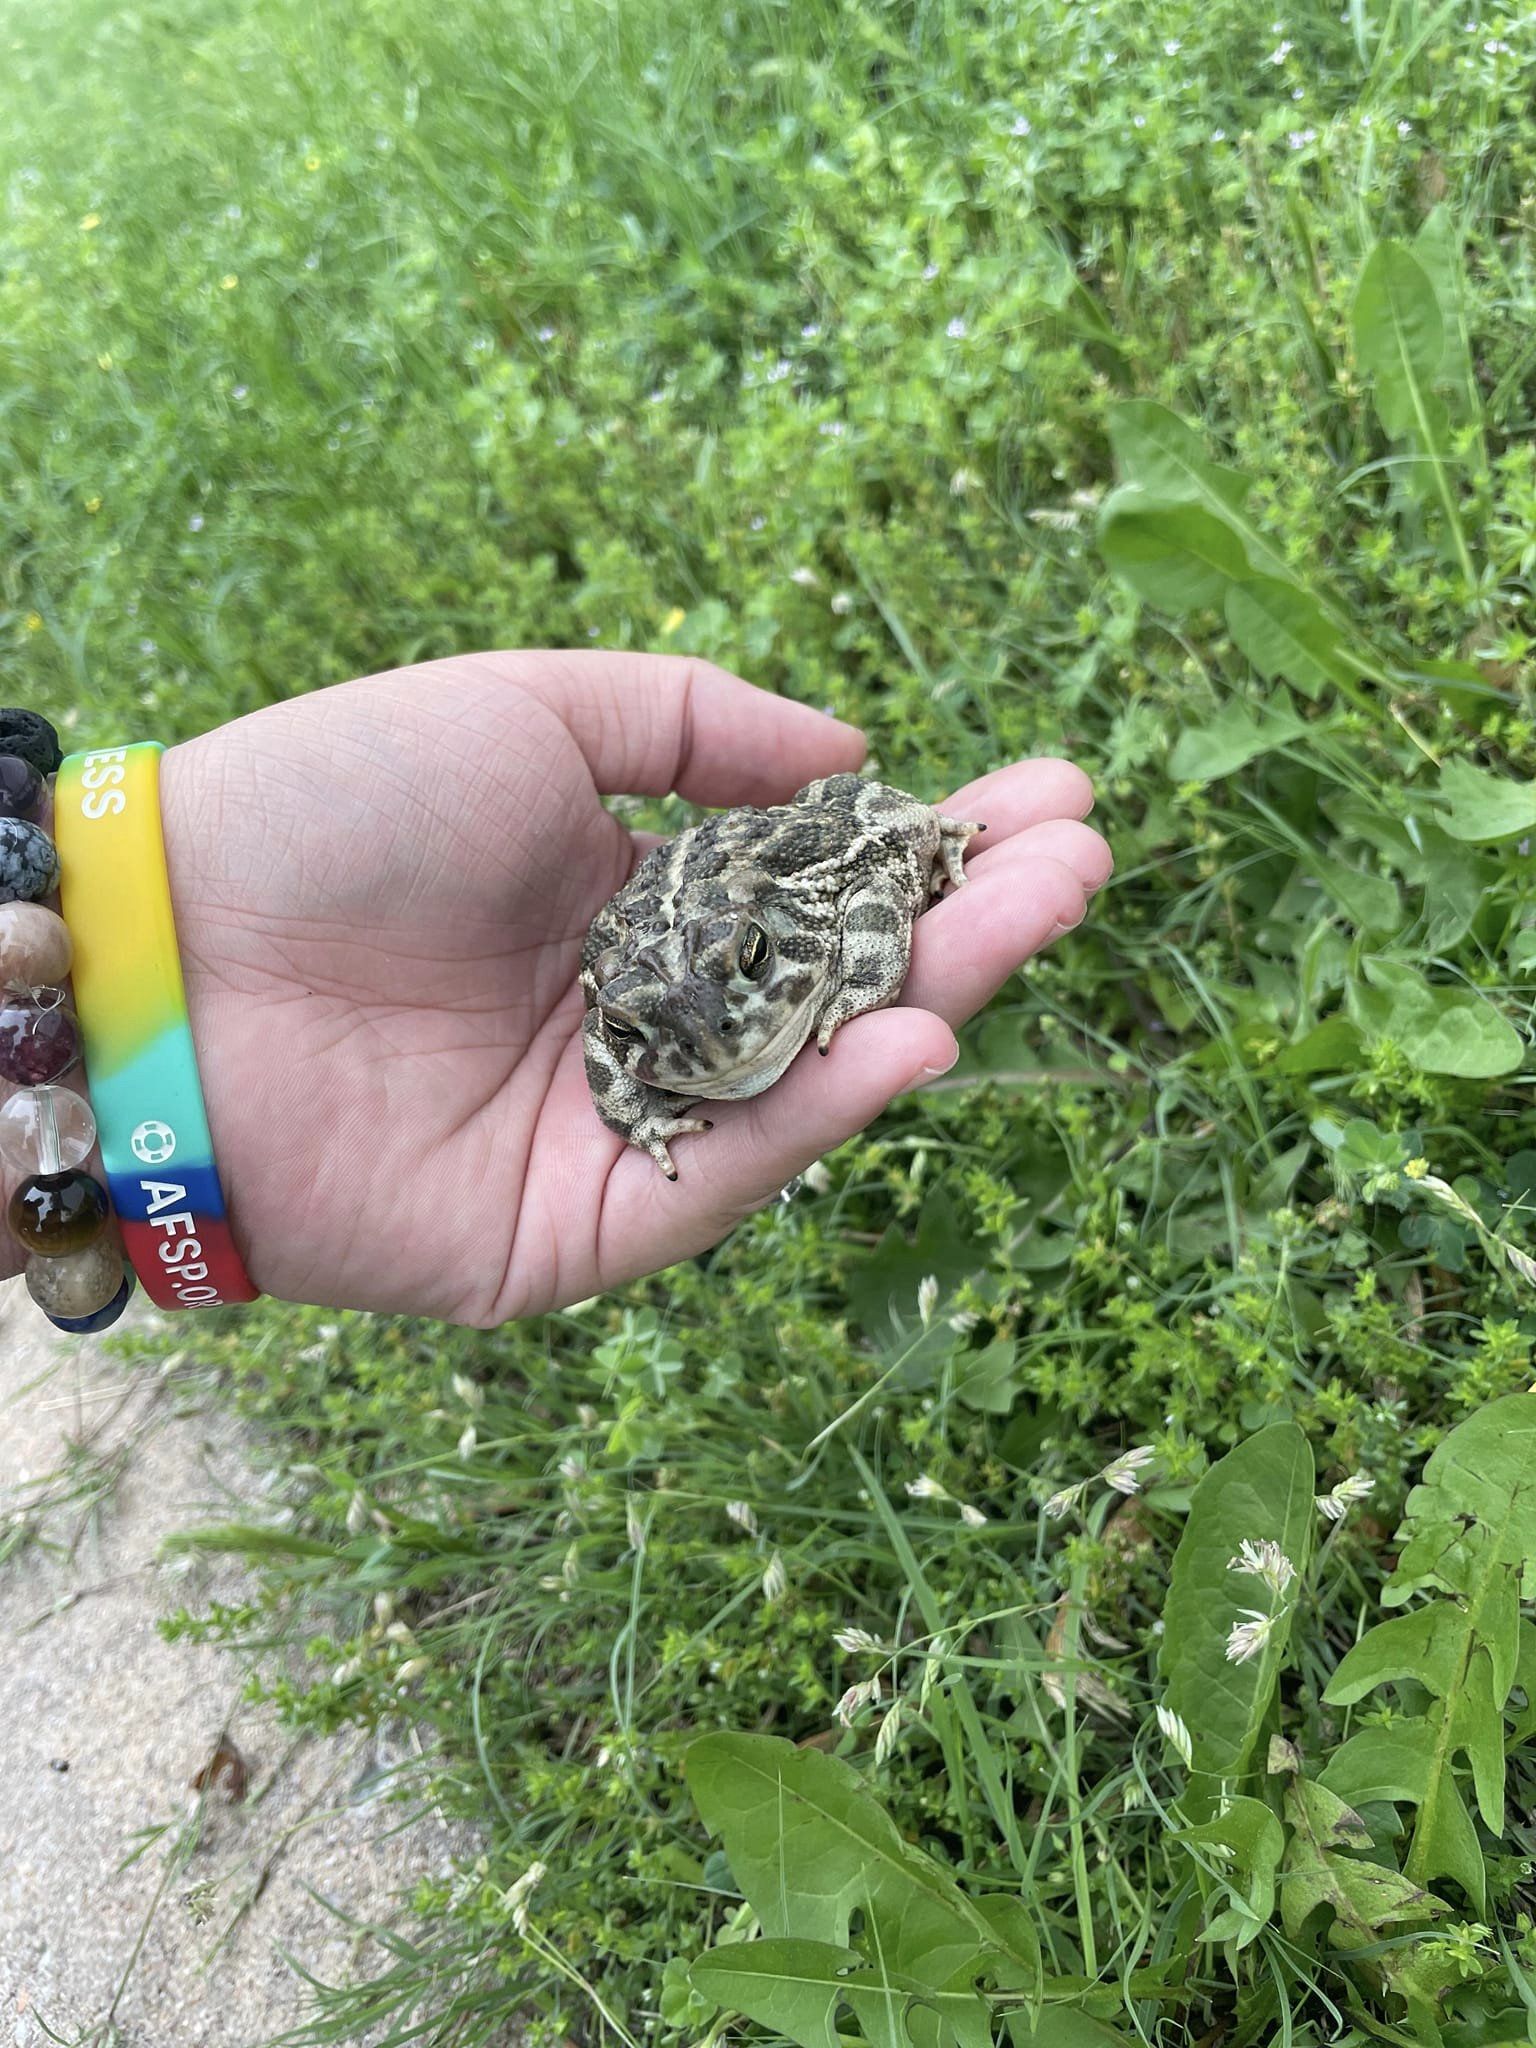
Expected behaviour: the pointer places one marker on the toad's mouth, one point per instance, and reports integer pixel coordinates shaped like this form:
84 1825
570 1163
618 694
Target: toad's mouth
751 1076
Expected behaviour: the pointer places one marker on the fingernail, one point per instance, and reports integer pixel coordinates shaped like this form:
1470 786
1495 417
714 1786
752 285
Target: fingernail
932 1073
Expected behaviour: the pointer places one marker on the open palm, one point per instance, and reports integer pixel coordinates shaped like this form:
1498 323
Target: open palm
381 892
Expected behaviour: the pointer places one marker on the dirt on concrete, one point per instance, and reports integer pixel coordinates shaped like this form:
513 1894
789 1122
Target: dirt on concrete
104 1726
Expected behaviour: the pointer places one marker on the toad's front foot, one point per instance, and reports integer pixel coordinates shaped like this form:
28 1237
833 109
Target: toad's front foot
651 1134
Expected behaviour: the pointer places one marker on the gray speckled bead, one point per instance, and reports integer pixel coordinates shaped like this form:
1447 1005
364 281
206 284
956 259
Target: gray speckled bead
29 867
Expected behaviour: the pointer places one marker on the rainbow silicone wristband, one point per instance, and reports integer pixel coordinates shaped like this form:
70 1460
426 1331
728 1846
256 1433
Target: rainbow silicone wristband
115 895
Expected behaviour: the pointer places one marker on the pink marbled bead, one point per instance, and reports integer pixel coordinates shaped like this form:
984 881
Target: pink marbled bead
34 945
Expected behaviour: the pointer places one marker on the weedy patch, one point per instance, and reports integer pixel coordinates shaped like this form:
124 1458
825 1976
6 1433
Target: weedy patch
1087 1517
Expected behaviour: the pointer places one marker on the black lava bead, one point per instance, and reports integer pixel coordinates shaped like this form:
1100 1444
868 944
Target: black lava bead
29 866
21 788
32 738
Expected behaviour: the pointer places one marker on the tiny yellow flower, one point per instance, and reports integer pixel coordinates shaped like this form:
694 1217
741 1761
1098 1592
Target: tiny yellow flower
228 281
93 504
674 619
311 163
33 622
104 360
92 220
1416 1169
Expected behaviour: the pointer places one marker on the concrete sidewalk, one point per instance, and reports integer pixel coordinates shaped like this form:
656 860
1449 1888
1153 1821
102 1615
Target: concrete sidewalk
103 1726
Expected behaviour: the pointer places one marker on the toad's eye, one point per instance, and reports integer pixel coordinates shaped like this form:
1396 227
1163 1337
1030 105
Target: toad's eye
621 1031
756 952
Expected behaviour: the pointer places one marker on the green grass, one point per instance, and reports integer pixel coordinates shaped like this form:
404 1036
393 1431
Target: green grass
333 339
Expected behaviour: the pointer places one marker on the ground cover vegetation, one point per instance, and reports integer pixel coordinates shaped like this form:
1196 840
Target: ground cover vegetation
1057 1573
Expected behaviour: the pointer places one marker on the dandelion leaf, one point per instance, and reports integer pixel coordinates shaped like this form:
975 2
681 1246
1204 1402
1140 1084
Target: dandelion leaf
810 1847
798 1988
1360 1900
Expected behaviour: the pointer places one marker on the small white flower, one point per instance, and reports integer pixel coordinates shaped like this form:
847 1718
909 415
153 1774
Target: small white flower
1061 1504
890 1728
468 1392
1138 120
930 272
924 1488
775 1578
962 481
927 1298
806 578
1405 127
517 1895
956 330
1249 1637
357 1513
810 330
842 603
817 1178
1218 135
963 1321
634 1528
855 1699
572 1467
1177 1734
413 1667
973 1518
1172 47
1020 125
833 429
546 334
467 1442
1264 1560
1336 1503
859 1641
740 1512
1122 1473
1280 52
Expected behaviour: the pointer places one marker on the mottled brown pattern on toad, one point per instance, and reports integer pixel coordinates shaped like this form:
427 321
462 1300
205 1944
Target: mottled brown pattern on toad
742 938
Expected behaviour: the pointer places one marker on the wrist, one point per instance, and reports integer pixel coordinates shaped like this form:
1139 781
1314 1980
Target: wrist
118 837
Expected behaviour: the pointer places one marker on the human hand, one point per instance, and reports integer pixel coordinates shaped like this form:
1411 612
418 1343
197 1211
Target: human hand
381 891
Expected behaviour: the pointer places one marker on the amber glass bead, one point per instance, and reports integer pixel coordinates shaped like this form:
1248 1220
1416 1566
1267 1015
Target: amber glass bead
80 1284
55 1213
39 1038
34 946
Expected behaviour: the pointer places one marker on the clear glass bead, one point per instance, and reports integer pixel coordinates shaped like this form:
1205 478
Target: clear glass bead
44 1130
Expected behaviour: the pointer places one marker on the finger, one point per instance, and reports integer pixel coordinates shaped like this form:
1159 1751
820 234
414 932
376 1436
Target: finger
1076 845
1024 793
757 1147
966 947
649 724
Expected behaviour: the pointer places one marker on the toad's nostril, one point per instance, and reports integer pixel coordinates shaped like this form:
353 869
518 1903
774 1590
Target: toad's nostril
727 1027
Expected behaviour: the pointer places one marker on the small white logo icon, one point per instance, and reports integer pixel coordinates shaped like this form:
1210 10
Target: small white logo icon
153 1142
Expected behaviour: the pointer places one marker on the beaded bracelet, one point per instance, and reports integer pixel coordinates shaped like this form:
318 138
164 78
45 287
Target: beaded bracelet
58 1213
